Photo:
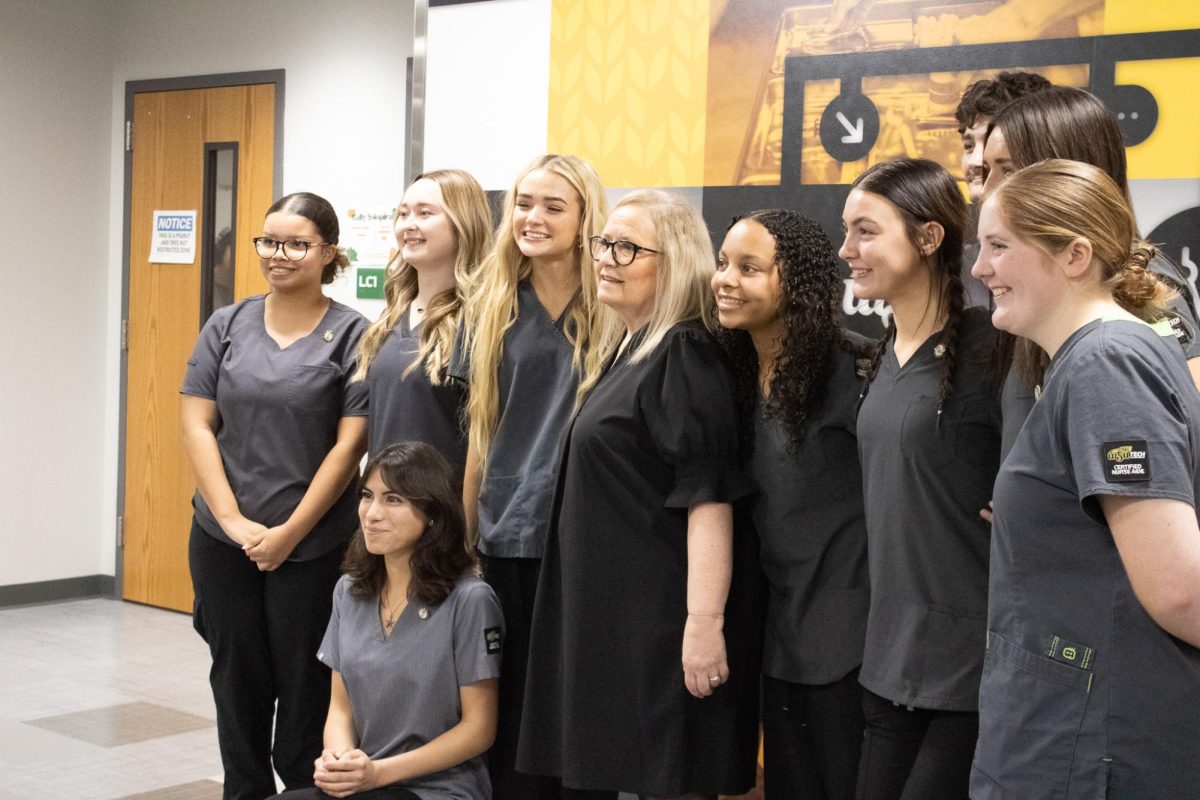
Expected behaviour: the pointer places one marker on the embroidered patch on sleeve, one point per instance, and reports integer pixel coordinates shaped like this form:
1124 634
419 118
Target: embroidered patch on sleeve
492 641
1125 461
1179 328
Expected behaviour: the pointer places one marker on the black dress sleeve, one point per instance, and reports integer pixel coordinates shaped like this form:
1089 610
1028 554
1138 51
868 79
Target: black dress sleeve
688 406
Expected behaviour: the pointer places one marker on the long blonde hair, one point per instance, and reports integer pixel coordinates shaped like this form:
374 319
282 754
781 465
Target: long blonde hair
492 298
466 205
681 291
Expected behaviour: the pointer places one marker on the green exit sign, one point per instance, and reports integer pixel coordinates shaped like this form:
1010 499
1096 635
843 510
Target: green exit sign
370 283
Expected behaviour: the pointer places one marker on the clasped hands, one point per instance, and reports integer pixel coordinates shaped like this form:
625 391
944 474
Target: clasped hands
344 774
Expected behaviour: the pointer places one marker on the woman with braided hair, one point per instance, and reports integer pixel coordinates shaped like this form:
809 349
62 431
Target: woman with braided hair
1093 646
778 296
928 437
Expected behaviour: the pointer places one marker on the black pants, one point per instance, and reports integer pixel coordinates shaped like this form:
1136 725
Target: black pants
915 755
812 738
263 630
515 582
382 793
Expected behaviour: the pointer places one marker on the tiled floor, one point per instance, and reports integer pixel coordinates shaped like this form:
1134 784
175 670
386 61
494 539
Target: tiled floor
105 700
102 700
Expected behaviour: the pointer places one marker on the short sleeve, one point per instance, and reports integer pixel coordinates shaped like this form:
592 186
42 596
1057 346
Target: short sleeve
204 365
459 367
478 634
1127 431
691 416
355 394
329 653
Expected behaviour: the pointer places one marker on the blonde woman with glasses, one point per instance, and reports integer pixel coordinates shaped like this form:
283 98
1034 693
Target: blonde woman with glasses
640 674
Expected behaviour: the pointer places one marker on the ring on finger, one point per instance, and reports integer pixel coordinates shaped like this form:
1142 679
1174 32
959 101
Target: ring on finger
714 678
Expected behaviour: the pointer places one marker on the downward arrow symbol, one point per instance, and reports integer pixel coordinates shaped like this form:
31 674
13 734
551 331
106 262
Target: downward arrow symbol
854 134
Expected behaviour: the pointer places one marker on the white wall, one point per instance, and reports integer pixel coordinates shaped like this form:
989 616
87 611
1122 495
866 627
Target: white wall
64 65
55 98
481 56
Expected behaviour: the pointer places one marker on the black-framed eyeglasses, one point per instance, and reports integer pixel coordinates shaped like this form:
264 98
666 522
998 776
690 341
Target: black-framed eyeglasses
293 249
624 252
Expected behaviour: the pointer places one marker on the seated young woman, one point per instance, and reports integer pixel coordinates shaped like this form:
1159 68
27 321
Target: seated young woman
414 643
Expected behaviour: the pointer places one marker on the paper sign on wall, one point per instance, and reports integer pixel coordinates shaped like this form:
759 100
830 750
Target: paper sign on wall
173 238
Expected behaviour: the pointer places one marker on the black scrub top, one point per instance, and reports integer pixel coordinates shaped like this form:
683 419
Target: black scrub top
537 383
1083 694
605 702
409 407
1018 396
813 535
279 410
923 484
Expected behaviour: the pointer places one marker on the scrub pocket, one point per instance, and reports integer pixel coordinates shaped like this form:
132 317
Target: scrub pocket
315 389
501 517
1030 712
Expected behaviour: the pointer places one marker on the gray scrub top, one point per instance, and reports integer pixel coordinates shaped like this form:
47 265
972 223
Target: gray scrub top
1017 397
1083 694
537 383
813 535
923 484
411 408
279 413
404 689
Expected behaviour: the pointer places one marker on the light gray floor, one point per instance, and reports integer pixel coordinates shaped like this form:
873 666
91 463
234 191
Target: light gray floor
101 699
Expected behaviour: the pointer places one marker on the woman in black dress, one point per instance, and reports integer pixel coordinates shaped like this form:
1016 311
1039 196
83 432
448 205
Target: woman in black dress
778 295
644 680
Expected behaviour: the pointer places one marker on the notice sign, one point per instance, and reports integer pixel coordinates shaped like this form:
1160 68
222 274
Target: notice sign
173 239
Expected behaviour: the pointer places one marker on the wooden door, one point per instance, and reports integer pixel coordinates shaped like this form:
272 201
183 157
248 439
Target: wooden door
170 131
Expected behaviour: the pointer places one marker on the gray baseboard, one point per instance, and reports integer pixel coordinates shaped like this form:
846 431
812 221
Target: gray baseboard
23 594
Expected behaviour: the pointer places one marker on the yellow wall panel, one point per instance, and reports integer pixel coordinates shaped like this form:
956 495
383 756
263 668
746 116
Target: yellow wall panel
1172 151
628 82
1144 16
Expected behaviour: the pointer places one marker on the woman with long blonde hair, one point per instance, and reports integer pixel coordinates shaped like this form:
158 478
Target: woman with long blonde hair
642 670
443 231
530 322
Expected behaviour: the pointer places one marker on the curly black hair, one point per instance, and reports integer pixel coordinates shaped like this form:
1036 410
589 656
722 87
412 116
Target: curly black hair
811 291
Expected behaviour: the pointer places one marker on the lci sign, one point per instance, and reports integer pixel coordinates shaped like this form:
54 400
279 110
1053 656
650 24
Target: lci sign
370 283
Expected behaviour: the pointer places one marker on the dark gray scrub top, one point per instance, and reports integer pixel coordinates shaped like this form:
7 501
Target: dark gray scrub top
410 408
923 485
404 689
1017 398
1083 695
813 535
279 413
537 383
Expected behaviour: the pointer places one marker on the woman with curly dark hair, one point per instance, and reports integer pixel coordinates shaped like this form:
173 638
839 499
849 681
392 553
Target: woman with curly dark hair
929 440
414 644
778 295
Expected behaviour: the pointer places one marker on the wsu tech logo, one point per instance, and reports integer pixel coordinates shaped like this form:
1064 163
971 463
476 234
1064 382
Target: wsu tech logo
1119 454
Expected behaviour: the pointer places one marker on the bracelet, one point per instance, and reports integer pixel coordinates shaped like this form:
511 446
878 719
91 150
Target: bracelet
698 614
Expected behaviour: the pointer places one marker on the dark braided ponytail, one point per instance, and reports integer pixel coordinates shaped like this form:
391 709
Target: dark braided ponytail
923 192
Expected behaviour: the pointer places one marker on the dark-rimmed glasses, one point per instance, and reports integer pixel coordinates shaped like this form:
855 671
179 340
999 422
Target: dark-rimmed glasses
624 252
293 249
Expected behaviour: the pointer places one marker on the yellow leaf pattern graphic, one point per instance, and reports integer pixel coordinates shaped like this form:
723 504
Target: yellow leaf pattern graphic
628 88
